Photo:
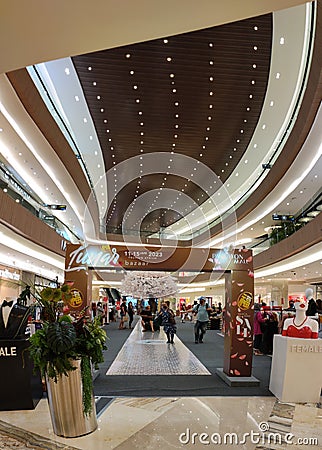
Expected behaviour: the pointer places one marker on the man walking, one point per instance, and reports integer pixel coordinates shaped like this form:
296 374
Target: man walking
202 319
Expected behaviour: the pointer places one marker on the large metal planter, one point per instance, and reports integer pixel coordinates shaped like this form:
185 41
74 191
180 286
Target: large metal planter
66 405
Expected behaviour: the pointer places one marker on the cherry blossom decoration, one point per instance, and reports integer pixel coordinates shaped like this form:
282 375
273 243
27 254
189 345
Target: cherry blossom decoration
148 284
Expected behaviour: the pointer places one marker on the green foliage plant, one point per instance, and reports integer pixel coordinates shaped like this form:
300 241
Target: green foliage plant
66 337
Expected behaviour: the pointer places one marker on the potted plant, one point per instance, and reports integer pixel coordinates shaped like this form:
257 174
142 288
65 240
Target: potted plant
65 349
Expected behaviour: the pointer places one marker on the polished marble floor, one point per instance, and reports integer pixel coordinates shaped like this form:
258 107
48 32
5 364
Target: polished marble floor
174 423
171 422
147 353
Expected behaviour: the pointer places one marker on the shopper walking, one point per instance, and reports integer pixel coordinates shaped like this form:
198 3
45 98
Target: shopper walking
130 311
123 311
202 319
168 321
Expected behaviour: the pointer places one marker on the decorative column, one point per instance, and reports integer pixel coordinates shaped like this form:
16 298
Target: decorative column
238 324
238 320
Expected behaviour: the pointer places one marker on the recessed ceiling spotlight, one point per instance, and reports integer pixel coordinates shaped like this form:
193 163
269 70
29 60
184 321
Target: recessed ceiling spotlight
135 86
105 121
169 59
211 93
137 100
253 81
67 71
282 41
278 75
263 126
89 68
85 120
174 91
271 103
255 28
209 117
255 47
250 95
128 55
248 108
165 41
102 109
211 62
254 66
98 97
94 83
76 98
211 78
246 161
171 75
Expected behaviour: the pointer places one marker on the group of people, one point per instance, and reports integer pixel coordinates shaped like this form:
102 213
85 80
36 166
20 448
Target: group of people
166 319
126 314
265 326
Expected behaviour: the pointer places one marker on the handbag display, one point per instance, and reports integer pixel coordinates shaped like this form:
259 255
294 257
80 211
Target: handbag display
125 318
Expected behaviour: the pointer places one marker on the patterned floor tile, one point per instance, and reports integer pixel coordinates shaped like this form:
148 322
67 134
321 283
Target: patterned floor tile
149 354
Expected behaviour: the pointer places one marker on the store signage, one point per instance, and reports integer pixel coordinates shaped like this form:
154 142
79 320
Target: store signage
8 351
9 275
306 348
82 257
56 207
91 256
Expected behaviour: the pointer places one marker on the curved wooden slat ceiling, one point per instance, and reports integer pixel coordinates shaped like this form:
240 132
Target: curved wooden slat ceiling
187 69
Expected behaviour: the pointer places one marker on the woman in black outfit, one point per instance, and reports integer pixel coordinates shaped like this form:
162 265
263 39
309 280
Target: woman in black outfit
130 312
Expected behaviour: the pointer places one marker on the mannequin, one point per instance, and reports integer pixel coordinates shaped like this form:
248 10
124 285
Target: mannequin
312 308
13 319
301 326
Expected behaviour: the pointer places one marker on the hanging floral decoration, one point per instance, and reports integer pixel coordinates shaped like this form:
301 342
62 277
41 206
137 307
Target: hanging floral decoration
148 284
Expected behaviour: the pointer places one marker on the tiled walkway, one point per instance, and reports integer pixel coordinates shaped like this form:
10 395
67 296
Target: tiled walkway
149 354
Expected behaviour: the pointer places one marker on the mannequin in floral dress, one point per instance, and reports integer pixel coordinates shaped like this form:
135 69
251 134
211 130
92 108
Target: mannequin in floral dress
301 326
